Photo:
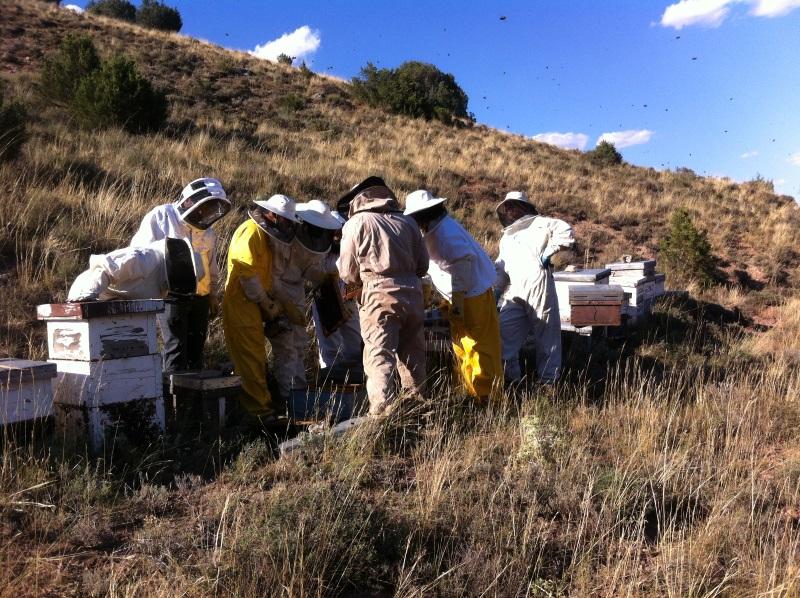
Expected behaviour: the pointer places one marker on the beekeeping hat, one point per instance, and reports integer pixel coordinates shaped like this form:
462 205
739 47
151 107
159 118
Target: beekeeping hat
373 182
284 227
515 202
181 267
318 213
317 226
342 220
202 203
421 200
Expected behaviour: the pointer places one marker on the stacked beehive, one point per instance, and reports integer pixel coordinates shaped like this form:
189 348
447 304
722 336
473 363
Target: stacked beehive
641 283
109 369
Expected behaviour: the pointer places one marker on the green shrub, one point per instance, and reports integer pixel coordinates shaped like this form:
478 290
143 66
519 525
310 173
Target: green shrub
118 95
685 252
156 15
285 59
116 9
415 89
62 72
12 127
605 154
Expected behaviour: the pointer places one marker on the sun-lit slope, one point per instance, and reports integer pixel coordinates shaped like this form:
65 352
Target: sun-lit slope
266 128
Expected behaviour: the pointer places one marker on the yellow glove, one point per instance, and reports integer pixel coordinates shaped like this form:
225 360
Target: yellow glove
296 317
456 314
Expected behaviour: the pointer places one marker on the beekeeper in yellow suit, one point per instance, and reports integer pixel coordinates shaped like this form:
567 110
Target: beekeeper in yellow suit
463 274
529 304
249 308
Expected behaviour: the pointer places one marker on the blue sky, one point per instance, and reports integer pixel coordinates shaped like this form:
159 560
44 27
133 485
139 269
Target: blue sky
711 85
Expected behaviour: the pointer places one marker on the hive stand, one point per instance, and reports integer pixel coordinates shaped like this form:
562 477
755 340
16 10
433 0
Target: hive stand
109 369
26 390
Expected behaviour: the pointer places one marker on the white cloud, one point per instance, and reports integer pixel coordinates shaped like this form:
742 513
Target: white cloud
750 154
711 13
794 159
774 8
565 140
299 44
622 139
74 8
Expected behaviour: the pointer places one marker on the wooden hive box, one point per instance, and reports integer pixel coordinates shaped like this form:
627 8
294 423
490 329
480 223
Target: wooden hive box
596 305
566 280
26 390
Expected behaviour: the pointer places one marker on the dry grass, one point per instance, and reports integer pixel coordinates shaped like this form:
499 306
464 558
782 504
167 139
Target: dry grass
667 465
674 484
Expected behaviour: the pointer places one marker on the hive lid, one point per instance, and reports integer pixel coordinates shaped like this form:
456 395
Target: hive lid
97 309
590 275
602 293
646 266
14 371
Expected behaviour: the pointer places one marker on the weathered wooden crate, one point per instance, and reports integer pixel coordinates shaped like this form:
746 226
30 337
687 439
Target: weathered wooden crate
566 280
100 330
26 391
596 305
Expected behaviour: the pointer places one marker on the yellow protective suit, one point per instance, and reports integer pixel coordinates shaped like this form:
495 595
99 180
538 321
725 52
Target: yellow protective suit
476 344
249 255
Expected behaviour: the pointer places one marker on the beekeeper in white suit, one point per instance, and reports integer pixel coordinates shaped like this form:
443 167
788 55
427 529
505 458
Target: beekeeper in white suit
165 266
184 323
528 303
296 264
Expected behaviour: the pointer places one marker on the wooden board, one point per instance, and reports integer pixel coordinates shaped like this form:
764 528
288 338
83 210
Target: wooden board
330 306
114 337
13 371
97 383
596 315
26 401
97 309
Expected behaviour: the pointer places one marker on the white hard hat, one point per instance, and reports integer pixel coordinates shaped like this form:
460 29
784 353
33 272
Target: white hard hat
421 200
282 205
318 213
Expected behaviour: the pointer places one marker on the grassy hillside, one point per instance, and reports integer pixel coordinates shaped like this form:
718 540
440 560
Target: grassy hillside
664 465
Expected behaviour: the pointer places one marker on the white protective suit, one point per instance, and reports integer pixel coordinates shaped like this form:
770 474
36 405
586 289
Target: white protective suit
127 273
529 303
165 221
344 345
292 266
457 260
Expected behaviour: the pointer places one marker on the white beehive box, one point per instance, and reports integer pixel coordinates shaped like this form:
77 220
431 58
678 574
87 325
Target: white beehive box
26 390
107 360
